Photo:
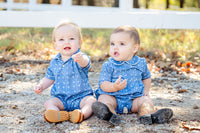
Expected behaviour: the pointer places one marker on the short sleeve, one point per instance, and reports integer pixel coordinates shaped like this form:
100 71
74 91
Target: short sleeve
49 73
146 73
106 72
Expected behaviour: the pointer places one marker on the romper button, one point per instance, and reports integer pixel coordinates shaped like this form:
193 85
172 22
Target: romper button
63 65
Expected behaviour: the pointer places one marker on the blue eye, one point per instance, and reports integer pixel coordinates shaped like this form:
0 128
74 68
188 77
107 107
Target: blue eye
112 44
122 44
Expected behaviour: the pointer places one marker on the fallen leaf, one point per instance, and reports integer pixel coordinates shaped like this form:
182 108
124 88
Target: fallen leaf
182 90
183 65
158 69
14 107
195 107
2 115
1 75
9 71
2 59
150 66
185 70
188 64
161 81
190 127
178 64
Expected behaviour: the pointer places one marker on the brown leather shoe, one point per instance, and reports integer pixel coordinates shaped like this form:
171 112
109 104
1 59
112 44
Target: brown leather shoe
53 116
161 116
102 112
76 116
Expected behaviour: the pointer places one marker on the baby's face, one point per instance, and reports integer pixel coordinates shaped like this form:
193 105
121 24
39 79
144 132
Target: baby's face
67 40
122 47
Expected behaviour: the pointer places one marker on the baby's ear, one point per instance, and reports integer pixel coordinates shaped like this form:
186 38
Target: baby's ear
54 44
136 48
80 43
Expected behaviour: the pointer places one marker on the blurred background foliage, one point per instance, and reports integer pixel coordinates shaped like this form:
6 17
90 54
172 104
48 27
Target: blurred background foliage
165 43
183 44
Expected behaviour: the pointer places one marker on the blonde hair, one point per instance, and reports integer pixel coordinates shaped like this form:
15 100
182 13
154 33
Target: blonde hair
64 23
132 31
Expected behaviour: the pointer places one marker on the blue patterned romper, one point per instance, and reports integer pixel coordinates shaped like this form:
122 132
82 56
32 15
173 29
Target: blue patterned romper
134 70
71 82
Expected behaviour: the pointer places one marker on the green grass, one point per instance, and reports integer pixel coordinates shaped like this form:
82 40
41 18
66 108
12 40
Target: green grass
186 43
25 38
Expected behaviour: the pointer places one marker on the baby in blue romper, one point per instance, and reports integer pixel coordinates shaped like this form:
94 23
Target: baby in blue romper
68 73
125 81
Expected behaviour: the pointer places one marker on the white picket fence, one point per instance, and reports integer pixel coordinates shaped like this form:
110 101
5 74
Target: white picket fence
48 15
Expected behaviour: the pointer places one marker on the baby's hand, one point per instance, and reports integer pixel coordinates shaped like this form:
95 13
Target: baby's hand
118 85
146 93
38 89
77 57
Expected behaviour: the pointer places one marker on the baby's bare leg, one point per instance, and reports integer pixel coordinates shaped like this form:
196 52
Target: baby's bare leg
86 104
54 104
145 108
110 101
142 105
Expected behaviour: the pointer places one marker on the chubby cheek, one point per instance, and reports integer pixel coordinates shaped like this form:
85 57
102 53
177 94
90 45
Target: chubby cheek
56 46
59 48
75 47
79 46
111 51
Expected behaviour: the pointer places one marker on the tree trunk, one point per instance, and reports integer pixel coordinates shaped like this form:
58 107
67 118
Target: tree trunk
79 2
46 1
167 4
198 3
116 4
136 4
59 2
5 1
147 4
90 2
181 3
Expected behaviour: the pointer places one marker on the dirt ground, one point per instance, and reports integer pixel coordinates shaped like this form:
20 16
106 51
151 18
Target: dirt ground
21 110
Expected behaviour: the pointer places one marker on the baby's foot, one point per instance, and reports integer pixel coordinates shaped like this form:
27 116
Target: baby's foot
159 117
56 116
103 112
76 116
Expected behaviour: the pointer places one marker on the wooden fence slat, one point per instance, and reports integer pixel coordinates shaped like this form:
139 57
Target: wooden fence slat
48 15
145 20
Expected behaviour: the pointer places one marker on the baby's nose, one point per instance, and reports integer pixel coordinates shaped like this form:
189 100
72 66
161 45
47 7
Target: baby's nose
115 47
66 42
